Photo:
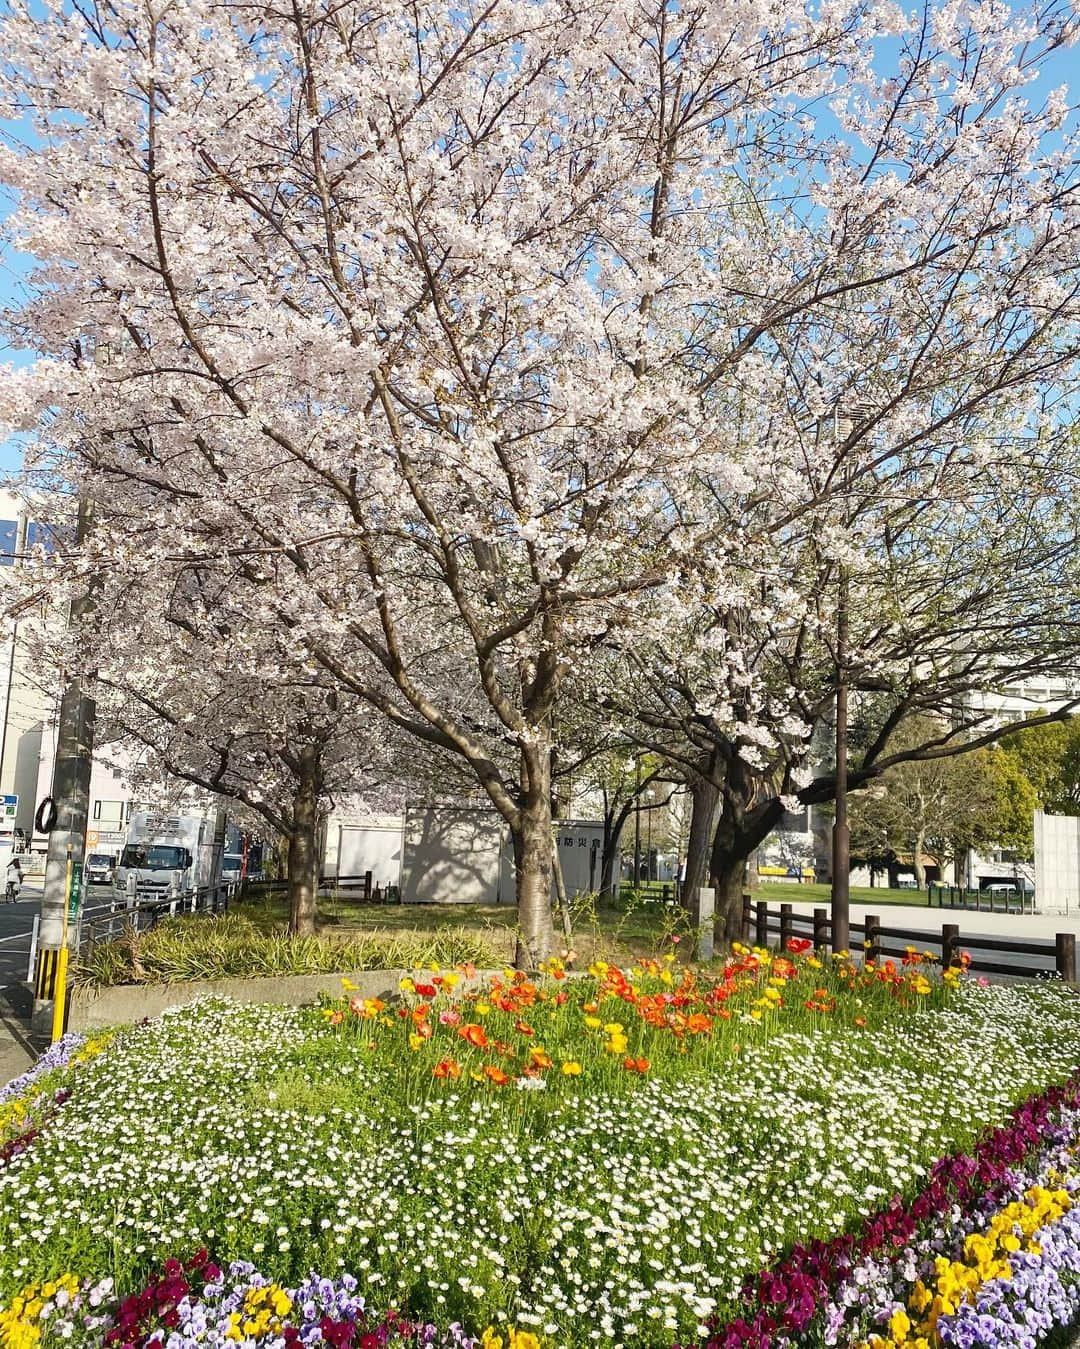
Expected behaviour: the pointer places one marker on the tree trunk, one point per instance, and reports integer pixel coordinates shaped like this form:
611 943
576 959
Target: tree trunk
608 855
727 876
303 854
532 860
704 802
729 881
561 895
733 843
917 860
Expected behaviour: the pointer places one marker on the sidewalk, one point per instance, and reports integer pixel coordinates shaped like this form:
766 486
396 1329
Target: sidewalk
17 1051
919 917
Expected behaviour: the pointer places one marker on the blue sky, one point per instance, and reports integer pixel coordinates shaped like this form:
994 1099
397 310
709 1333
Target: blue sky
1064 68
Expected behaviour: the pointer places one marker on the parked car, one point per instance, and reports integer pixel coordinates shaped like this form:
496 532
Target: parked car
100 867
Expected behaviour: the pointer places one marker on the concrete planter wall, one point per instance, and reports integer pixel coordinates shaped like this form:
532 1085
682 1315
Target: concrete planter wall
124 1004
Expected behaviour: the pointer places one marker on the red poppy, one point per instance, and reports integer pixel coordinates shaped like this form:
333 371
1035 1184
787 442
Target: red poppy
799 945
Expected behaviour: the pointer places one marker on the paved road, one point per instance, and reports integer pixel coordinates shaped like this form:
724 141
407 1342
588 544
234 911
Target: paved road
16 921
17 1048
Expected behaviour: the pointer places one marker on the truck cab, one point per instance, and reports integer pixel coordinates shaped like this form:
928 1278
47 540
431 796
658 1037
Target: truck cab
165 854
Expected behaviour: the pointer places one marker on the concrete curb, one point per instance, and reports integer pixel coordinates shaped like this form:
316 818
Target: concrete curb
124 1004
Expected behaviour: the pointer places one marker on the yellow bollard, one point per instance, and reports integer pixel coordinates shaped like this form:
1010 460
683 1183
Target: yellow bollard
60 987
60 993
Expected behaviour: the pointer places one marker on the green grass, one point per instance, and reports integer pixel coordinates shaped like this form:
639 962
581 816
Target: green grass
789 891
821 894
252 940
232 946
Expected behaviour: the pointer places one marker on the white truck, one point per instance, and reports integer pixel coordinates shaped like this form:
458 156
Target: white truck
165 854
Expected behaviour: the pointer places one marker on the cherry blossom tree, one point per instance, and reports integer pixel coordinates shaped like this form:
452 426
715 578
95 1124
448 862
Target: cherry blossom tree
491 339
938 613
190 691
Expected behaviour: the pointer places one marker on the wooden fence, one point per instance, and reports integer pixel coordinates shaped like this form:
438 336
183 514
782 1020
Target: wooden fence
359 888
762 923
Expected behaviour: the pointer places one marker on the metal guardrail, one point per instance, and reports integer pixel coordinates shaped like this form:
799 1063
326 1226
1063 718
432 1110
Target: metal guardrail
13 944
120 915
1014 899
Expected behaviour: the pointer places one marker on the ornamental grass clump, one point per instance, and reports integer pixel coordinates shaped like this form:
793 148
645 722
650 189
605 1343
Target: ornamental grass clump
232 946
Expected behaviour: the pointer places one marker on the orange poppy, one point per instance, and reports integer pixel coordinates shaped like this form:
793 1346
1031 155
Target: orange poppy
636 1065
473 1034
447 1068
496 1075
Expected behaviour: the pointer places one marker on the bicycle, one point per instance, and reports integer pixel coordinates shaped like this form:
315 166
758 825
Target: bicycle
11 894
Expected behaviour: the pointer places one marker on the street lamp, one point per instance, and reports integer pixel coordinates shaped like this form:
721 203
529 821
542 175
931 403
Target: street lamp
841 834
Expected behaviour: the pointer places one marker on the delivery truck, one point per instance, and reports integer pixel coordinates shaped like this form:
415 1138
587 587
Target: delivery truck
166 854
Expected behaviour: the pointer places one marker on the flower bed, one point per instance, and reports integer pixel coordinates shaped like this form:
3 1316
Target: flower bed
599 1161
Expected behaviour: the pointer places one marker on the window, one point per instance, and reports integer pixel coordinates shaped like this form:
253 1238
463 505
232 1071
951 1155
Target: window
40 536
155 857
109 814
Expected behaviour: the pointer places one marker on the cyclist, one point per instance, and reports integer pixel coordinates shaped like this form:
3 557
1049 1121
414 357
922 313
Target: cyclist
14 880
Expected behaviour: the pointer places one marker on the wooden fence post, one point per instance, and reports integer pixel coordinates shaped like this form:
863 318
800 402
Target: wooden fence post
762 935
367 887
950 944
746 917
1065 955
821 928
786 928
873 937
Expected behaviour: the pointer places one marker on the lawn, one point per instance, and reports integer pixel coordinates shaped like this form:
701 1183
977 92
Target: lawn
638 1158
821 894
800 893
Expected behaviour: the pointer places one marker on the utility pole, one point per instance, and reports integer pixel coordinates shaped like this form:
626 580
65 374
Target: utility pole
71 795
